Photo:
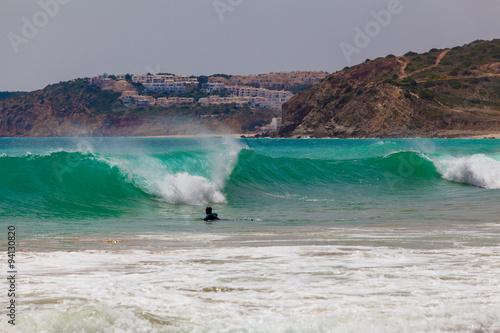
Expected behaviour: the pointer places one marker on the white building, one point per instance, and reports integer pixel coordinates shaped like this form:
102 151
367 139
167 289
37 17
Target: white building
128 97
164 79
144 101
165 87
212 87
102 81
269 99
133 99
171 101
279 80
214 99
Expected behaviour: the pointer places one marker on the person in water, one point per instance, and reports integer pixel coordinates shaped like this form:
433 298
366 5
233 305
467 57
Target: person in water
210 216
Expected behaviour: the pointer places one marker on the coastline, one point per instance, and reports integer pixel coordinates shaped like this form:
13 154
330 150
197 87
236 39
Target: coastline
207 135
487 135
254 135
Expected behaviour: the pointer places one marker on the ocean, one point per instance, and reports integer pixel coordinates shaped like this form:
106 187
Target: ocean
316 235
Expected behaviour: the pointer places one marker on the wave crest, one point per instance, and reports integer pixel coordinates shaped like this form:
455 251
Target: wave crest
156 177
478 170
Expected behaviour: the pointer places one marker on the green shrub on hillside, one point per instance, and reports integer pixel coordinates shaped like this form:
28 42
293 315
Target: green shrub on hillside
345 99
426 94
409 81
455 84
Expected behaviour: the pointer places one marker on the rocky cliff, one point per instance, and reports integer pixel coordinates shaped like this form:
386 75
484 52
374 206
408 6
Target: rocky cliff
441 93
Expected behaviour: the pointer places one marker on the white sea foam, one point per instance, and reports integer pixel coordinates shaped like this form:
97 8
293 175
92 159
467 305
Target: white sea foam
188 189
261 289
478 170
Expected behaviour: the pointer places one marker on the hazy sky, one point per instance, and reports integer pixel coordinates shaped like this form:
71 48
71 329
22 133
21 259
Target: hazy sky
47 41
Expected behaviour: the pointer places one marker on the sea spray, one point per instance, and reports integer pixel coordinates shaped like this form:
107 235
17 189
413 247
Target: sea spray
225 159
161 176
477 170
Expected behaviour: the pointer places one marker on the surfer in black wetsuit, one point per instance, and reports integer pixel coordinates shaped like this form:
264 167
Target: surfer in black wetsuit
210 216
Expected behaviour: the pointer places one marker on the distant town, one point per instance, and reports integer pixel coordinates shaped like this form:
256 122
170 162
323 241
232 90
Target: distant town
264 91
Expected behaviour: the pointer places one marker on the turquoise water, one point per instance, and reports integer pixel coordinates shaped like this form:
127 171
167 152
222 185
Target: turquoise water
311 232
60 185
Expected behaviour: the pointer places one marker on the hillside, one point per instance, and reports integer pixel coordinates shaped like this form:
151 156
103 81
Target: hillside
77 108
442 93
8 94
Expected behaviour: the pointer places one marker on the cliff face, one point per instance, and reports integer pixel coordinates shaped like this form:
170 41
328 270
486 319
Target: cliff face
57 110
440 93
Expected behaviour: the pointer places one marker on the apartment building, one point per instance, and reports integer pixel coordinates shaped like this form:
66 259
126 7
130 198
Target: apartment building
280 80
165 87
255 102
274 98
171 101
165 78
186 79
165 83
212 87
102 81
144 101
214 99
132 99
127 97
